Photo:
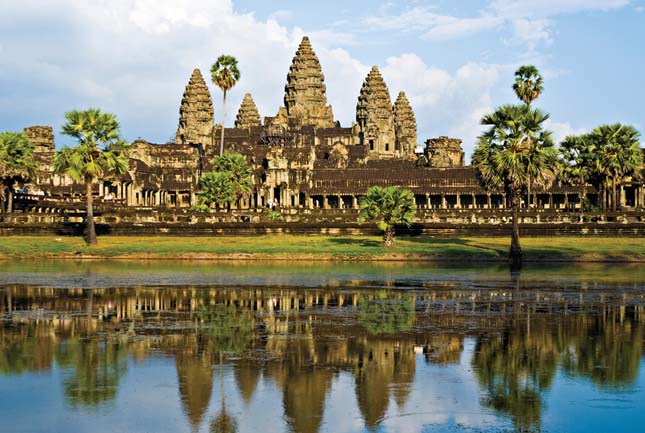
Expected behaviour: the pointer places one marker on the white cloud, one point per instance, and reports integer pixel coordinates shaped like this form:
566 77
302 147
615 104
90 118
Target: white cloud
563 129
444 103
529 20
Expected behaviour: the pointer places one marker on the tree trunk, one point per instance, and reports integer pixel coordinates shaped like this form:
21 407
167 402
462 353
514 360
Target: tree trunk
515 254
221 143
388 237
613 194
10 200
90 231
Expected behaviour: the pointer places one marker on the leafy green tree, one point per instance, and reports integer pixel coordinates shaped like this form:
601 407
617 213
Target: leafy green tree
225 75
230 179
620 154
528 84
513 152
239 171
100 152
216 187
388 206
17 164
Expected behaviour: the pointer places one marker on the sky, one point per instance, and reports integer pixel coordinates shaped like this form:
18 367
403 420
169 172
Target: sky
454 60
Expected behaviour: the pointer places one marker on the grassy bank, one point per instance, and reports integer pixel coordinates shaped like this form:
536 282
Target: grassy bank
323 248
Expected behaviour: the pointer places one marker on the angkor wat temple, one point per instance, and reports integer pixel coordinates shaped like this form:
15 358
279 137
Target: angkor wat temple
302 157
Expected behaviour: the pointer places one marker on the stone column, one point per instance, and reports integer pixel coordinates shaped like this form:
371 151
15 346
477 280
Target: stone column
325 204
458 205
443 201
489 202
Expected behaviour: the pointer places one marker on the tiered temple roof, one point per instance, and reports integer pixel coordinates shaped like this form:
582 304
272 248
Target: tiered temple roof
248 115
305 96
405 126
196 114
374 114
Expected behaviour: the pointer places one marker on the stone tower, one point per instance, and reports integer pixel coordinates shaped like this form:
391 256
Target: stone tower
196 114
247 115
405 127
444 152
374 115
305 96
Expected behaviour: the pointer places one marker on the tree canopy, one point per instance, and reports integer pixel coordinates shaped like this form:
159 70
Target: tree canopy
225 75
100 152
229 180
17 162
528 84
513 154
388 206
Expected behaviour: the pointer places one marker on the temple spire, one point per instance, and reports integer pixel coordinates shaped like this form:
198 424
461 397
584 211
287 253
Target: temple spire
305 96
248 115
405 126
196 114
374 115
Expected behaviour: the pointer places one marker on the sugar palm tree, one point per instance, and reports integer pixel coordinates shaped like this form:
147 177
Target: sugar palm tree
100 152
225 75
388 206
528 84
620 154
17 164
229 180
514 151
528 87
239 171
580 160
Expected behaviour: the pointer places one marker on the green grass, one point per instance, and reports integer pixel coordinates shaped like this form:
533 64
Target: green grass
349 247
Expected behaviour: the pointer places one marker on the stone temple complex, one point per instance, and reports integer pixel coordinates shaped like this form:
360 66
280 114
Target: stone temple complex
302 157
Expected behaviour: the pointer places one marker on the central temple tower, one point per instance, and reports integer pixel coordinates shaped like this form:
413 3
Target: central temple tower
305 98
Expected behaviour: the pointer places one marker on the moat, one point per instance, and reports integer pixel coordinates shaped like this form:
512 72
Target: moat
202 347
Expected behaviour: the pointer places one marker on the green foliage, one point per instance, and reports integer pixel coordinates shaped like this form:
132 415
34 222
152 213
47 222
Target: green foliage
606 156
225 73
230 179
100 151
274 215
230 330
386 207
528 84
216 187
515 150
385 316
17 160
619 149
200 208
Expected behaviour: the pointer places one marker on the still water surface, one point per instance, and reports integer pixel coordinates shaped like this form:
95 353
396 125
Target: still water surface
181 347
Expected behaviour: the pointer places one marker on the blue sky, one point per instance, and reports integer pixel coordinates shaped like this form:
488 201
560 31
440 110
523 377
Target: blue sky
455 60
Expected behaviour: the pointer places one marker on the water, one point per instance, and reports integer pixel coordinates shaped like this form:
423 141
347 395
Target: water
189 347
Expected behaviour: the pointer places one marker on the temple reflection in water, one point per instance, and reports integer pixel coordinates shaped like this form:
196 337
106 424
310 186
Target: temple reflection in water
300 341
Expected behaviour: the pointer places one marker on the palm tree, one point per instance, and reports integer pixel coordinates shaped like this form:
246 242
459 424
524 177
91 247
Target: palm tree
239 171
580 160
17 164
620 154
230 179
388 206
514 151
528 87
528 84
100 152
225 75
